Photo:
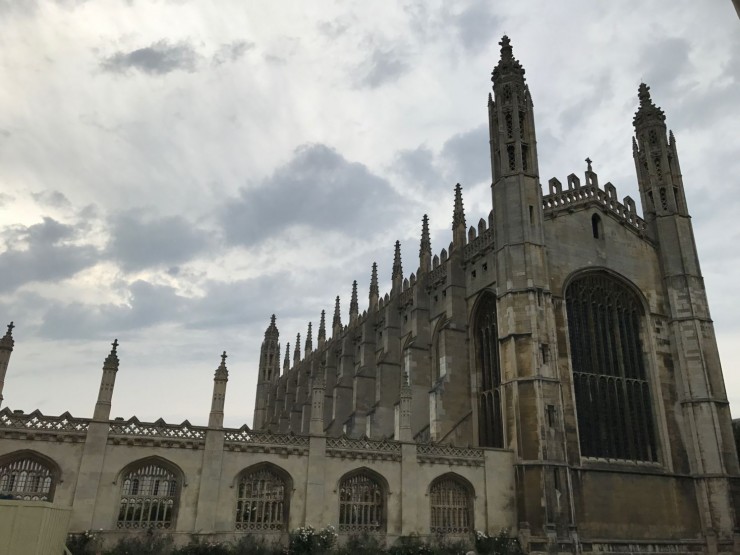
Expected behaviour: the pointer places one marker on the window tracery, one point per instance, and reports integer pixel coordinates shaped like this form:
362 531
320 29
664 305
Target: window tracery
361 504
27 479
490 423
149 497
262 500
451 506
613 403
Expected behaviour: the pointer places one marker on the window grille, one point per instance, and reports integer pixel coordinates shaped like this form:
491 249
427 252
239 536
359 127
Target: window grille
262 502
26 479
149 498
361 504
451 507
490 424
609 371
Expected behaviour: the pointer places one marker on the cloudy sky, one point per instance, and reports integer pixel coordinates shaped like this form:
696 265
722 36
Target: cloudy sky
173 172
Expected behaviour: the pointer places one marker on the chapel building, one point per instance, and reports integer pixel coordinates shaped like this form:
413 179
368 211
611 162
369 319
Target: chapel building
553 372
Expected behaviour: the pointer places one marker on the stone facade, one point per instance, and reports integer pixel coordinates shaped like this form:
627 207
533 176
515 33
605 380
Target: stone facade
554 372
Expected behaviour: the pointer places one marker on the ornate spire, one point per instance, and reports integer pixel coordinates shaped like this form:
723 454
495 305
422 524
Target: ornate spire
374 290
297 351
337 323
507 64
272 332
286 362
309 340
425 247
322 329
111 361
354 309
647 112
397 267
7 342
458 215
221 372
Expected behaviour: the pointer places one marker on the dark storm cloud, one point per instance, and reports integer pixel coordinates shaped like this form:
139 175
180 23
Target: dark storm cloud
318 188
224 304
384 65
468 155
147 305
138 242
158 59
45 256
231 52
54 199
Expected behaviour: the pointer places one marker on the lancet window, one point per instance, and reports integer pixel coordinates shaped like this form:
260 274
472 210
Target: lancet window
613 403
451 506
490 423
361 503
262 499
26 478
149 497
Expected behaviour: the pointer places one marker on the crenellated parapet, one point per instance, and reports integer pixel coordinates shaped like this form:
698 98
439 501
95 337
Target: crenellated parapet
37 426
579 196
158 433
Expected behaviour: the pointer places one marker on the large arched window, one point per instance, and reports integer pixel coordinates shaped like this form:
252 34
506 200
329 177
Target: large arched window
485 329
451 505
362 502
263 495
26 475
150 492
613 404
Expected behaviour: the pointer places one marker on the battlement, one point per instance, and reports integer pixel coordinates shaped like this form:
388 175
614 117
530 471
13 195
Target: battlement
577 195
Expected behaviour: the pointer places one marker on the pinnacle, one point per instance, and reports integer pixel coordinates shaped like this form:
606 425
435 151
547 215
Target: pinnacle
221 371
397 268
337 322
458 216
322 326
353 306
7 340
112 359
647 112
507 65
426 244
374 290
309 339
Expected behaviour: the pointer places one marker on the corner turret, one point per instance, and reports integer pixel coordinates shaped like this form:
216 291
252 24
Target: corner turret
6 347
107 382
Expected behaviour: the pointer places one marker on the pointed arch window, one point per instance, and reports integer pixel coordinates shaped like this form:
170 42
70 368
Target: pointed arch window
362 503
451 506
490 422
27 477
613 402
150 494
262 499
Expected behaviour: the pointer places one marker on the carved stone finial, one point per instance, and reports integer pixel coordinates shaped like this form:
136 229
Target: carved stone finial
286 360
647 112
6 341
588 162
354 309
272 332
111 361
337 321
507 65
309 339
221 372
397 268
425 246
458 215
374 289
322 326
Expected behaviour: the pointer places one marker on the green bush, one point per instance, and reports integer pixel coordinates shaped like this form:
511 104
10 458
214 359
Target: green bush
149 543
309 541
410 545
362 544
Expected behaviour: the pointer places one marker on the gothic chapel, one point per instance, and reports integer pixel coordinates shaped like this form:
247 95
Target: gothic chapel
553 372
